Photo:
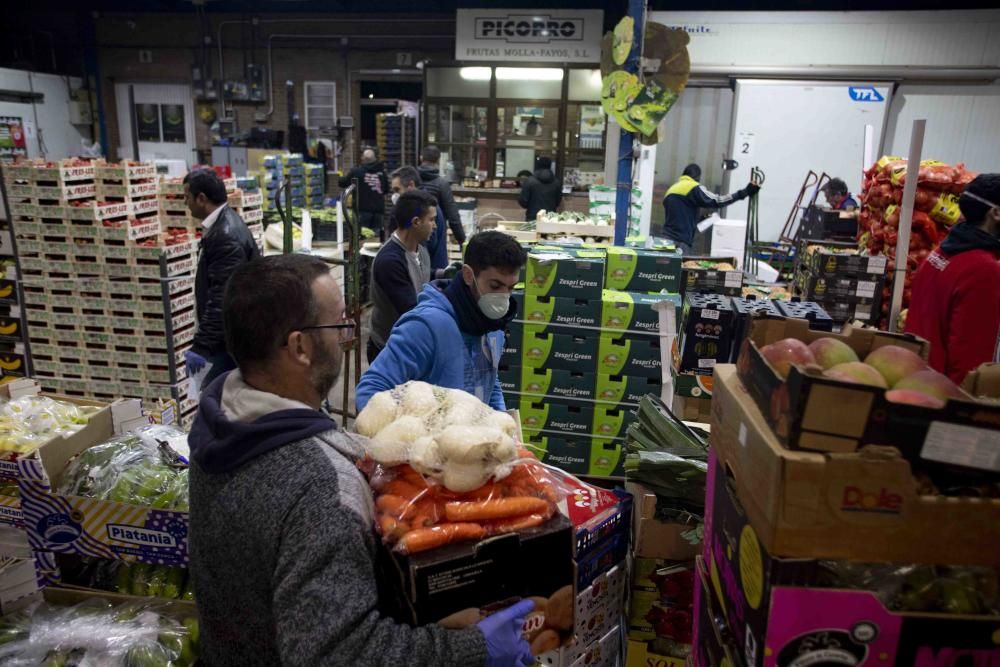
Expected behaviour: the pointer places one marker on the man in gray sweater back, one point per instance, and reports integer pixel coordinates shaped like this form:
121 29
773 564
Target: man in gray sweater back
282 543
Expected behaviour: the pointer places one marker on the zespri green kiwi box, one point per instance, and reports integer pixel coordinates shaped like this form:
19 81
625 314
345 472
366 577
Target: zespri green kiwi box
561 385
641 270
565 272
633 311
560 351
578 455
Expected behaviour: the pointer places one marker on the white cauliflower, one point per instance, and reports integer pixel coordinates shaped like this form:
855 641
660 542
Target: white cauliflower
391 445
462 477
419 399
425 457
468 444
503 421
381 410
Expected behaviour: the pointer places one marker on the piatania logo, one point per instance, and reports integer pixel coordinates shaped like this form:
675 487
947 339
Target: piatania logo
883 501
530 28
141 536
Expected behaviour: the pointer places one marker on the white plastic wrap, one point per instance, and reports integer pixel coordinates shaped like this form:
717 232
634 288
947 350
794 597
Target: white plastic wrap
30 421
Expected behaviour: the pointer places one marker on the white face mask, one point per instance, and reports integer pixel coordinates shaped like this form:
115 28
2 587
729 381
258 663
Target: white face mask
494 305
395 198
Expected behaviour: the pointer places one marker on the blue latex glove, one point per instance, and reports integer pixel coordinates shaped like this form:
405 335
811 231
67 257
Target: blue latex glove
194 361
505 645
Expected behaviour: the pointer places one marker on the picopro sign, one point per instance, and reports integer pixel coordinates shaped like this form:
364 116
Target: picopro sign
553 36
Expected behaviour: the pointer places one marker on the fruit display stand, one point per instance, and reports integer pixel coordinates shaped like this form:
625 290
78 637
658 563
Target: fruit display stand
112 297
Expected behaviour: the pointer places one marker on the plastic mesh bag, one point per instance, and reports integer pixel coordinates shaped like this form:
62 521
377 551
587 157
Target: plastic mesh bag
445 434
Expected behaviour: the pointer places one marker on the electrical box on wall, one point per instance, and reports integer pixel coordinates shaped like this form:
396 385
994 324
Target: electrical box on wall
79 109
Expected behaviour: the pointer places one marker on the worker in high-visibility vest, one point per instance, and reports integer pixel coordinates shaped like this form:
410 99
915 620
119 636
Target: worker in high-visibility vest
683 201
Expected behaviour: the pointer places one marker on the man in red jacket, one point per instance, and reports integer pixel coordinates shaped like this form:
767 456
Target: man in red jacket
956 292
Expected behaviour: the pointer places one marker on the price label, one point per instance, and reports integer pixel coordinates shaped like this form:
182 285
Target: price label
710 314
863 312
962 445
734 279
706 363
866 288
877 264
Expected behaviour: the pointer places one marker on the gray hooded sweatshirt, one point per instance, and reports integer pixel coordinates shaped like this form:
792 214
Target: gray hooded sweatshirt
282 543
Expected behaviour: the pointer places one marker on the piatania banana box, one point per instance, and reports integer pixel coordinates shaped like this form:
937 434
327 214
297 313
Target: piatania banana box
98 528
565 272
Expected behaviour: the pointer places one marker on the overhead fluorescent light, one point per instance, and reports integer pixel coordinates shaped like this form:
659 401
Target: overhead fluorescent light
529 73
475 73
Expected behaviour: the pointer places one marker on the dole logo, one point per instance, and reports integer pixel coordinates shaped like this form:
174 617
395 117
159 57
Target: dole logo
883 501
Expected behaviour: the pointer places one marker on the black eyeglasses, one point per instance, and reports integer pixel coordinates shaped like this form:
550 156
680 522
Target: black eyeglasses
347 327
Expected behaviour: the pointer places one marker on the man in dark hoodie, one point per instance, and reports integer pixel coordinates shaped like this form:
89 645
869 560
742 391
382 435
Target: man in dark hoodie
373 185
440 189
282 546
542 191
454 336
956 292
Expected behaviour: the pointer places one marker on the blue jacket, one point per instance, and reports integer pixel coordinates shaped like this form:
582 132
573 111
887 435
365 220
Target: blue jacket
426 344
437 244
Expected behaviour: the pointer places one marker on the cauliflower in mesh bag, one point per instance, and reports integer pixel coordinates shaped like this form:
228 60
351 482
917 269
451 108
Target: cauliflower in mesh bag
446 434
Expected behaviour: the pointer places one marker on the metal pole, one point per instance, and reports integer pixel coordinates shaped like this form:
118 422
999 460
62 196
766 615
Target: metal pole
906 220
623 199
135 121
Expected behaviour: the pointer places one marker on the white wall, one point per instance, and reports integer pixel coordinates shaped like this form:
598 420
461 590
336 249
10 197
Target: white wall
963 124
61 139
938 38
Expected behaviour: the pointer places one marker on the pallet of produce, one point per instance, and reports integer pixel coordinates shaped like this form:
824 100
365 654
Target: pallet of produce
79 627
98 211
135 190
125 498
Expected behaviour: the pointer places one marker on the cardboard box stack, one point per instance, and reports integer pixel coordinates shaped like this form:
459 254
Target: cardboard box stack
838 522
248 202
586 348
111 296
847 285
271 174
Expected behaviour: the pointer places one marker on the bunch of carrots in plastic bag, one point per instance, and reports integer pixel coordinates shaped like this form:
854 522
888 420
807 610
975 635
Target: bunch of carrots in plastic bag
416 514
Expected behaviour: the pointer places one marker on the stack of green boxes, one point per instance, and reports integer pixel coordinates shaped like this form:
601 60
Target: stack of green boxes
585 348
314 180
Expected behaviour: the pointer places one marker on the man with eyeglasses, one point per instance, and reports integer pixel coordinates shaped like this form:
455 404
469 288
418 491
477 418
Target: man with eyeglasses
454 336
956 293
402 266
282 542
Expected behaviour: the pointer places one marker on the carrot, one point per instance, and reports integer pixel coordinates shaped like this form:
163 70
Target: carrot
407 473
516 523
485 492
499 508
391 528
422 539
404 489
400 508
427 513
525 453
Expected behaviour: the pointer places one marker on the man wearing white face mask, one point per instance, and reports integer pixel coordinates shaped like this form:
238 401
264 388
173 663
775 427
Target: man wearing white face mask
455 335
401 267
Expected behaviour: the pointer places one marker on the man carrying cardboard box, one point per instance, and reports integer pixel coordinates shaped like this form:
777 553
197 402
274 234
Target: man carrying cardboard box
282 546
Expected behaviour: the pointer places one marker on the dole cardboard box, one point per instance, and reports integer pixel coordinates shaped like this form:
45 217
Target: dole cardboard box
634 312
812 412
861 506
618 355
639 270
793 610
653 538
576 352
565 272
577 454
